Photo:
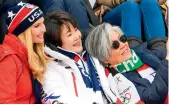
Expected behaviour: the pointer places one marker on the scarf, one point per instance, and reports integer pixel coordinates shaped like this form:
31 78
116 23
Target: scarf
135 63
91 80
124 90
117 88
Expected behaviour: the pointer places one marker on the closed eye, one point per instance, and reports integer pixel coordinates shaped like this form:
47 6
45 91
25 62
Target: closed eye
69 35
36 26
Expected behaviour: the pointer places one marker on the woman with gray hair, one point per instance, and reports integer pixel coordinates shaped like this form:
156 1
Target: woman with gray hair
148 70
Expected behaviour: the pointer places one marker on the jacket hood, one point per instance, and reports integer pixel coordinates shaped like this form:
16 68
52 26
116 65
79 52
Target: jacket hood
12 45
5 51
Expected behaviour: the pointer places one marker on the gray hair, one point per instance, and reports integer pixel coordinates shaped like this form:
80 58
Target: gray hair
98 43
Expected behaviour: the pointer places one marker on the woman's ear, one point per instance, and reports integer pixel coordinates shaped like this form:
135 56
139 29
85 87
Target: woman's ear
106 61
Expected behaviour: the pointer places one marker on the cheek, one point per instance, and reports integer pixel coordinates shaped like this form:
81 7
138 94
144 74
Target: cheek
34 33
36 38
116 57
66 44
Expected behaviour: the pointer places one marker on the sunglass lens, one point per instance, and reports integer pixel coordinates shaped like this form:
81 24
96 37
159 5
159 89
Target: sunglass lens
116 44
123 38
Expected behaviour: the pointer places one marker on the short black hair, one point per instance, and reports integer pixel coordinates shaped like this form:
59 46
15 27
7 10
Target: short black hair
54 22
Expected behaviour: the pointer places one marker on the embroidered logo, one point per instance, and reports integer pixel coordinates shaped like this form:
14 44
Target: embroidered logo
51 97
126 98
30 6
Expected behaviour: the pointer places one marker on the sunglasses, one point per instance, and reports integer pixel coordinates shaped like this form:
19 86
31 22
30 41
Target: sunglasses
116 43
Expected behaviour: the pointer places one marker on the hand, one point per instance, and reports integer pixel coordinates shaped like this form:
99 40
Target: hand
105 3
101 11
160 2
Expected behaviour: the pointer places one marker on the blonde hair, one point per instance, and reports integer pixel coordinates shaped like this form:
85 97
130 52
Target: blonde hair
36 57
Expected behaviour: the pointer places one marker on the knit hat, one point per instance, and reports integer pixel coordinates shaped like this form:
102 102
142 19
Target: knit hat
21 17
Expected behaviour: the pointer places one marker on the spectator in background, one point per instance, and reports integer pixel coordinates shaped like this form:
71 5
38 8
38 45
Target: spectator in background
75 8
130 16
22 58
134 14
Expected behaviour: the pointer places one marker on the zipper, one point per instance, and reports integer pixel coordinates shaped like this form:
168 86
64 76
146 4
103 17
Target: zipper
74 82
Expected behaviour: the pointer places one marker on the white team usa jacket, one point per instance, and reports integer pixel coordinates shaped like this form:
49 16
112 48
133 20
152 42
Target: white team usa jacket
63 83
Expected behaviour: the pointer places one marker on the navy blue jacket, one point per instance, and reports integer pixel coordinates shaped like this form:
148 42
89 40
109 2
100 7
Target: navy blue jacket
157 91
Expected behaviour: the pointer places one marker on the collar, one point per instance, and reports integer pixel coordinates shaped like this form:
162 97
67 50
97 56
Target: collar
16 45
72 55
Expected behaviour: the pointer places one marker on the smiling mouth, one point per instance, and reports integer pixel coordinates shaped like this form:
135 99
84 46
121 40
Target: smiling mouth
77 44
40 36
125 52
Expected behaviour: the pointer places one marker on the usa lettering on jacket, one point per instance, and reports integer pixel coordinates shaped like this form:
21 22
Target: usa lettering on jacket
35 15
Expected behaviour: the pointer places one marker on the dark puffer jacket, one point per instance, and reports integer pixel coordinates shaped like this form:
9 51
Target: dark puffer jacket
157 91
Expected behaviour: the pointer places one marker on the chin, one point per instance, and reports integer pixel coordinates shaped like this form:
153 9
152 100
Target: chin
79 50
127 56
39 41
124 58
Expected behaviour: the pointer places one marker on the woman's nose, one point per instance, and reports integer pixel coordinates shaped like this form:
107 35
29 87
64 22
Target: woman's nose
43 28
77 35
122 45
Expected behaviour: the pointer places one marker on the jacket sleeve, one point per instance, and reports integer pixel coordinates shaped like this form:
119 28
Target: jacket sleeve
155 92
54 88
8 80
162 67
161 54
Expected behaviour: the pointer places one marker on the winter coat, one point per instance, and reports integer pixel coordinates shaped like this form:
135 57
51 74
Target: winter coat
157 91
63 82
15 76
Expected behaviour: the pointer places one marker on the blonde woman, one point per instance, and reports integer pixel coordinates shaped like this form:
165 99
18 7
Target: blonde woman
22 58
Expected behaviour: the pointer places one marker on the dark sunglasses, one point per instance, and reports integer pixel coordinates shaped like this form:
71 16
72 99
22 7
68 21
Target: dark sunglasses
116 44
